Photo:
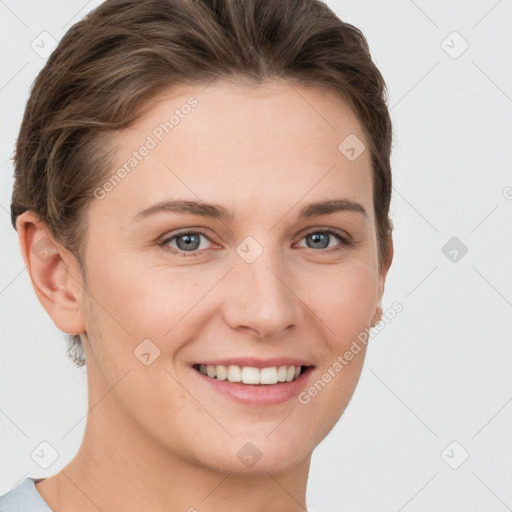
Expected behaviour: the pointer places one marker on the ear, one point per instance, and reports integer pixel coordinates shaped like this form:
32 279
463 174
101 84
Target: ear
383 272
55 273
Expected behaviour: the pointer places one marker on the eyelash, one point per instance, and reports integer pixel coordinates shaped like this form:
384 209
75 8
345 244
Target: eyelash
345 242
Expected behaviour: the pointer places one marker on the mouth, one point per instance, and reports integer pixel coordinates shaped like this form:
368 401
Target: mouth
254 381
252 375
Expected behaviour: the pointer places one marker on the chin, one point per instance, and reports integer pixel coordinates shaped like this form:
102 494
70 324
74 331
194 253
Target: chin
257 453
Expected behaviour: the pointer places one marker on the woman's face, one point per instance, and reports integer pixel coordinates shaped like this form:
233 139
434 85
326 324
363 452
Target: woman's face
208 250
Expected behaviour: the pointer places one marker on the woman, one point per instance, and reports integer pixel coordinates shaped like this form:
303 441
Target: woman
202 197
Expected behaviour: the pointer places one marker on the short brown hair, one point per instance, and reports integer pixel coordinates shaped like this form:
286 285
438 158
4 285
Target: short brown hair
124 52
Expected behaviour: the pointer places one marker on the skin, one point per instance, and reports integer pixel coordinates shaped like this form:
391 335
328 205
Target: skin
156 437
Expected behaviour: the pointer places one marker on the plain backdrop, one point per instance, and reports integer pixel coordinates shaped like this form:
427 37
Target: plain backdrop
429 426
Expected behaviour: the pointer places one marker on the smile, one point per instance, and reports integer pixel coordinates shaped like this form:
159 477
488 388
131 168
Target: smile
251 375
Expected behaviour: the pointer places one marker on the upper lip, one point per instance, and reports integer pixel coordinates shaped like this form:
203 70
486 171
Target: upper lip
256 362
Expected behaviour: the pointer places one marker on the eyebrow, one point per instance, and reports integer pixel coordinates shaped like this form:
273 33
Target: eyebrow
217 211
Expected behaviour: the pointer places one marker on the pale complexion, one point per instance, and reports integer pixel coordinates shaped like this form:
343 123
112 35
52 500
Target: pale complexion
157 437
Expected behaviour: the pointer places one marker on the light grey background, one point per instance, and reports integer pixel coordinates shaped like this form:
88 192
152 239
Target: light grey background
440 371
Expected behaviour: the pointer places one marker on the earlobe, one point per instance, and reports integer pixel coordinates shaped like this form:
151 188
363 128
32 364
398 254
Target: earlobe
54 273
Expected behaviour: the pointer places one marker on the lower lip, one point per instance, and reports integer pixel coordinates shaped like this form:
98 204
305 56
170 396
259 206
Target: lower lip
262 394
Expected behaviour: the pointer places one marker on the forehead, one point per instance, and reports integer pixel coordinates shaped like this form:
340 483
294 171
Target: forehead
248 146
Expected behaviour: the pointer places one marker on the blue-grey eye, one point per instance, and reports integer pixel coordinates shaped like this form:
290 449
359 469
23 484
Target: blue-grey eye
188 241
321 238
318 240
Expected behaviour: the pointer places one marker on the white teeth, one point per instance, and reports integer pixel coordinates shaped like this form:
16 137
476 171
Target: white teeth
234 373
222 372
251 375
269 375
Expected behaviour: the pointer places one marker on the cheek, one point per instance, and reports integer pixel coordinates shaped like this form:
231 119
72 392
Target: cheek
136 302
131 303
345 300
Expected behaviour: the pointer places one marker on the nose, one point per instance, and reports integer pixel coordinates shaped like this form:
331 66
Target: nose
261 299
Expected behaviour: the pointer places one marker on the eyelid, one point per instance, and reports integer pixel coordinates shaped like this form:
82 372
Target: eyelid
344 240
184 231
344 235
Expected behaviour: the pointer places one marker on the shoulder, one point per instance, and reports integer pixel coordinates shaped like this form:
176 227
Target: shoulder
24 498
